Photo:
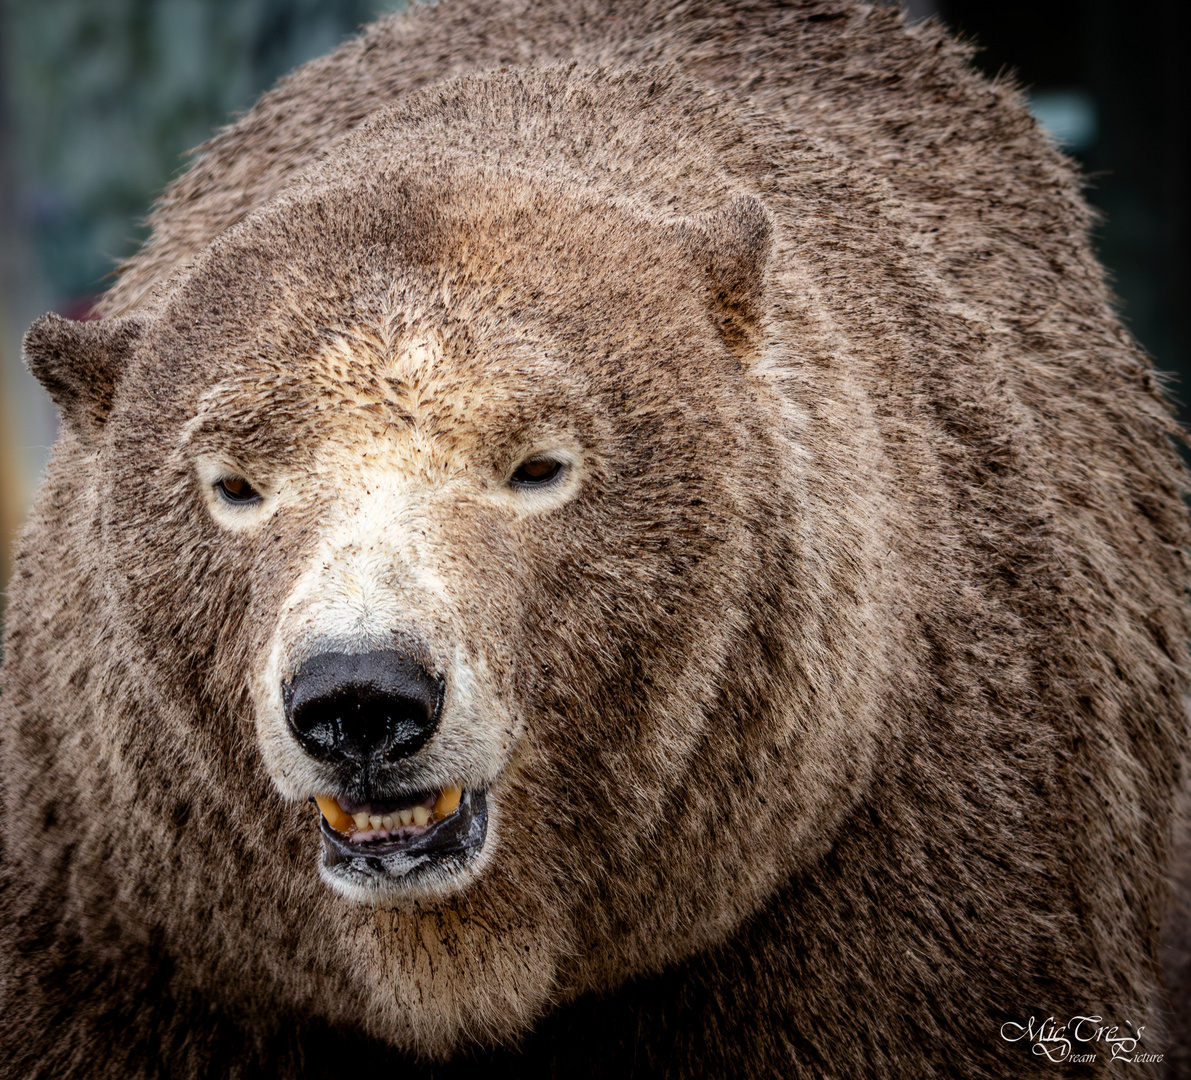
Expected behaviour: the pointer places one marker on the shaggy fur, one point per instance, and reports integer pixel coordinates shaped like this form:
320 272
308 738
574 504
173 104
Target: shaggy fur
829 709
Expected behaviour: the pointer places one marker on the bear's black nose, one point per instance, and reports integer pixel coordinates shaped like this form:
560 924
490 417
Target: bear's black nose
357 706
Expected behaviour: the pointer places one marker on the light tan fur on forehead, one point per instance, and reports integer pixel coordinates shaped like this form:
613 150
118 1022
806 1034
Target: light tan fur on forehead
388 367
422 382
392 388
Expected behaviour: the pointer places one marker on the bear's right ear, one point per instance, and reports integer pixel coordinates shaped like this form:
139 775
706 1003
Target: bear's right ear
79 363
733 245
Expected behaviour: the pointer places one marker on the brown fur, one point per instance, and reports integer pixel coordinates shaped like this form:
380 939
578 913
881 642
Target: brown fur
832 713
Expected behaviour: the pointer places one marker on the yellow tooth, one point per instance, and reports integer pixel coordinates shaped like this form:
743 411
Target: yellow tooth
334 813
447 802
407 817
361 820
387 821
375 820
421 816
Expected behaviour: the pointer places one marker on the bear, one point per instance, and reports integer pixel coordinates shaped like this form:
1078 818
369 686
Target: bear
601 538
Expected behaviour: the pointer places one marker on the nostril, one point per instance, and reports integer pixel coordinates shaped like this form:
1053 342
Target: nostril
362 705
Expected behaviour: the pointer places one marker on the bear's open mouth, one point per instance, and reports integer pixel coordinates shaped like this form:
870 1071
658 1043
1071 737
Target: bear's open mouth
391 838
368 823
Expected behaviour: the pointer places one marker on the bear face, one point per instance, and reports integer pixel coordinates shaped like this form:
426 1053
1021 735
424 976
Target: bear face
409 419
459 479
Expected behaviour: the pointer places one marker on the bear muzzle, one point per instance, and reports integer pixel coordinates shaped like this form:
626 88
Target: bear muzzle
364 714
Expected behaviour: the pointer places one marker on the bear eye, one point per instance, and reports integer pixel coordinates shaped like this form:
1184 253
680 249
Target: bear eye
536 472
237 491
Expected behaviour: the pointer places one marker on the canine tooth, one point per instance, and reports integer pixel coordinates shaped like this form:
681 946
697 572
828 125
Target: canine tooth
447 802
407 817
387 821
421 815
334 813
361 820
375 820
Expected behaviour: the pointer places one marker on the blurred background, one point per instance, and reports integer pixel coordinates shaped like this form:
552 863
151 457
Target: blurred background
100 100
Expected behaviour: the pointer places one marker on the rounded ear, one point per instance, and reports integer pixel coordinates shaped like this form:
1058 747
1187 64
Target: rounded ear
79 363
733 243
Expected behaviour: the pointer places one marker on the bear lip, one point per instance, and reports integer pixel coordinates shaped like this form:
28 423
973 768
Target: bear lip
459 834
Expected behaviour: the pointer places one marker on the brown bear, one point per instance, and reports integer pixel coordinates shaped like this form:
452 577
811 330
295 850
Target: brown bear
601 538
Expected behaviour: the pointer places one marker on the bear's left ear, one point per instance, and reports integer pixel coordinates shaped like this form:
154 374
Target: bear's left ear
733 243
79 363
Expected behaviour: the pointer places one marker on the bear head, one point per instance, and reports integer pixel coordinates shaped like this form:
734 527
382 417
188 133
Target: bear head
464 501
